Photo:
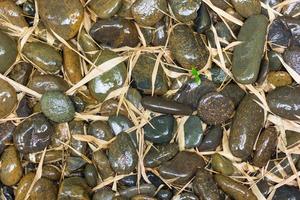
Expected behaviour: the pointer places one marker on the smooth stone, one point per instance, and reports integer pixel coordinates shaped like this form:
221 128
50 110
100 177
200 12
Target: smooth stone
9 50
24 186
233 188
57 106
221 4
265 147
147 189
73 188
51 156
115 32
11 170
161 105
203 20
263 71
142 73
154 179
247 8
122 154
281 167
105 8
187 196
63 17
218 75
215 108
160 35
109 81
264 187
8 99
47 82
111 107
44 56
28 8
190 92
190 53
193 132
91 175
205 187
77 128
164 194
292 138
119 123
90 48
159 154
293 25
221 164
102 163
51 172
78 102
142 197
72 66
100 130
147 34
185 10
129 180
21 73
291 57
7 192
231 11
279 34
24 109
285 102
252 34
103 194
274 62
44 189
160 129
234 92
182 167
212 138
73 165
10 12
134 97
287 192
148 13
246 125
33 134
224 34
6 134
279 78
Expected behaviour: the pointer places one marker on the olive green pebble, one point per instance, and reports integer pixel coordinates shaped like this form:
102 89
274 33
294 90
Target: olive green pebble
222 165
233 188
57 106
9 51
185 10
105 8
11 170
8 98
279 78
253 36
73 188
246 8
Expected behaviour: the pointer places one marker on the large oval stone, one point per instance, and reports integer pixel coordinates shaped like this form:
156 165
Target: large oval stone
105 8
8 98
247 56
12 13
47 82
64 17
9 51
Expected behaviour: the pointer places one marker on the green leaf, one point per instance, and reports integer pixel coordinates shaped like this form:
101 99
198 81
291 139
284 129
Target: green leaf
196 75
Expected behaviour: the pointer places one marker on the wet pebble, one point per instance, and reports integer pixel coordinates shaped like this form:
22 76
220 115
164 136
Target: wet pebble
47 82
91 175
279 78
185 10
100 130
21 72
71 64
111 107
103 194
203 20
9 50
221 164
73 188
103 165
105 9
11 12
291 57
287 192
8 99
51 172
6 134
247 8
193 132
159 154
212 138
147 189
234 92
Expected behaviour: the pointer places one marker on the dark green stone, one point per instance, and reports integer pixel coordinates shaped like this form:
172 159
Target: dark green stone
73 188
77 128
91 175
160 130
147 189
185 10
47 82
73 164
291 57
21 73
212 138
193 132
103 164
203 20
286 192
222 165
253 36
159 154
57 106
9 52
247 8
134 96
119 123
234 92
100 130
218 75
122 154
105 9
274 62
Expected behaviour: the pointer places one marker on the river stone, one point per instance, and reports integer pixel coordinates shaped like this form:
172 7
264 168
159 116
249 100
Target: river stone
57 106
102 163
33 134
122 154
72 66
247 8
285 101
88 45
105 8
190 92
234 92
203 20
291 57
142 73
77 128
279 34
43 56
212 138
234 189
246 125
286 192
64 17
185 10
111 80
44 189
253 36
73 188
222 165
9 51
47 82
159 154
111 107
104 194
21 73
91 175
51 172
12 13
161 105
215 108
205 187
115 32
160 129
193 132
274 62
190 53
119 123
8 99
134 96
147 189
182 167
11 170
160 35
100 130
6 134
148 13
279 78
